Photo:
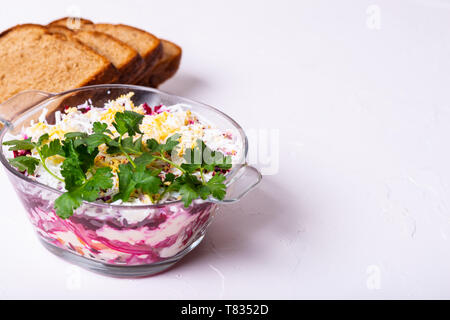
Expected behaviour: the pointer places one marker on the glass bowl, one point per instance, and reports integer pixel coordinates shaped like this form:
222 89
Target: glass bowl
118 240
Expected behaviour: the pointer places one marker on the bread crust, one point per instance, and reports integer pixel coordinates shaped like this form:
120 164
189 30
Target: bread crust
154 54
37 26
166 67
133 69
151 62
60 29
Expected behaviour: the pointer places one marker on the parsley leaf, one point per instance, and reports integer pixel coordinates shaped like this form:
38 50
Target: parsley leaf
66 203
44 150
170 144
72 173
190 167
216 186
132 147
99 127
25 144
100 180
170 177
78 161
139 178
51 149
147 181
43 139
94 140
127 121
144 160
198 159
24 163
152 145
73 135
188 186
113 146
86 158
202 157
188 194
126 183
88 191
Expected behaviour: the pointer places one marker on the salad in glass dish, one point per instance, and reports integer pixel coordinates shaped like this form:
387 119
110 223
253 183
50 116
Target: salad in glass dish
120 153
122 184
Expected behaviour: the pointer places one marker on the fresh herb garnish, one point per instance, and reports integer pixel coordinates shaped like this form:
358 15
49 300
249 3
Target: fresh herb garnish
137 179
88 190
24 163
146 171
127 122
204 159
44 151
25 144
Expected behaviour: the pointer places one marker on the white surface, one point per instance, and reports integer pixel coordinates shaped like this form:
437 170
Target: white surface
360 205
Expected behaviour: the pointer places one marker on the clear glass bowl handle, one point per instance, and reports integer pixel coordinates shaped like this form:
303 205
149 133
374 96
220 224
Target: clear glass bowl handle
18 104
243 182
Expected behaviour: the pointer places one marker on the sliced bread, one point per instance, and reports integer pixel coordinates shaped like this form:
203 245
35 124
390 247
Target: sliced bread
31 57
156 70
165 67
126 60
148 46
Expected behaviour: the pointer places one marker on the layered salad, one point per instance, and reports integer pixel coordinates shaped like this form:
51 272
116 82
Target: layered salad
132 179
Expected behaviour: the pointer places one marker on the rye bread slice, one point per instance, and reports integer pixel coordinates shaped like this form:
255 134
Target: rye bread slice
148 46
33 58
152 74
126 60
165 67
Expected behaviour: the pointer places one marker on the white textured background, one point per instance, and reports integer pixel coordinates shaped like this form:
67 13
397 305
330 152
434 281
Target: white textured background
360 206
